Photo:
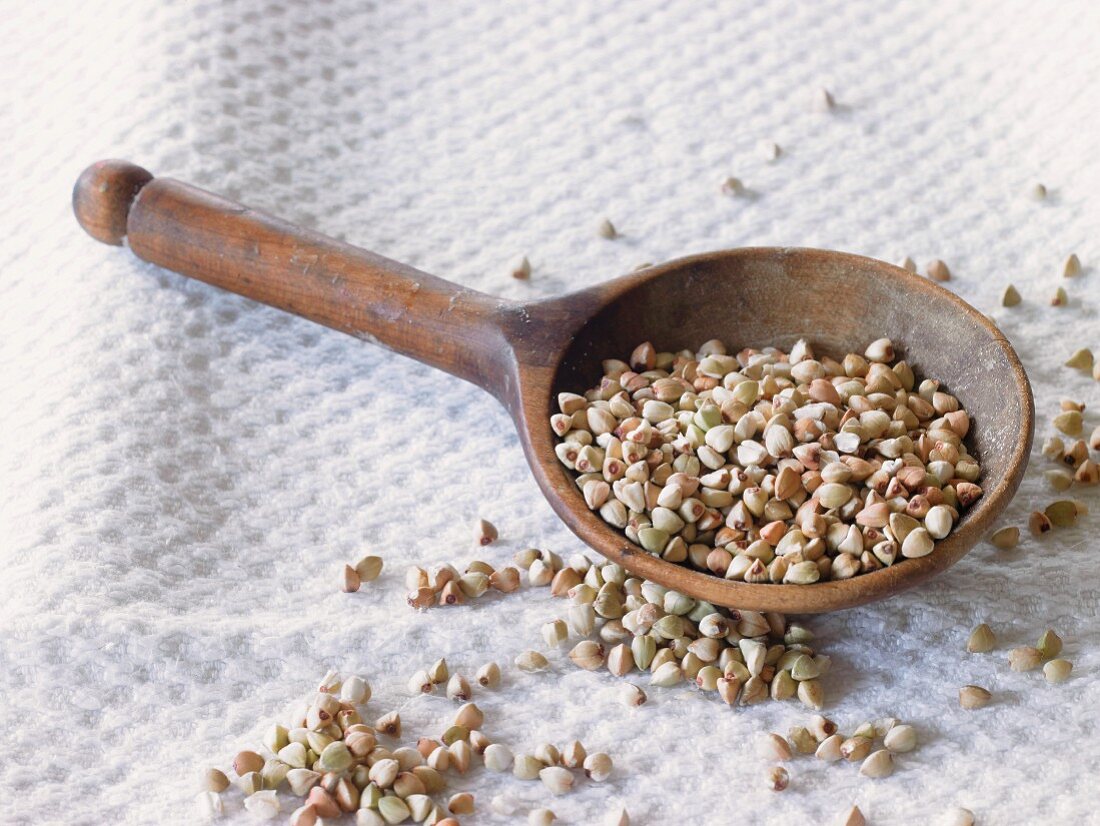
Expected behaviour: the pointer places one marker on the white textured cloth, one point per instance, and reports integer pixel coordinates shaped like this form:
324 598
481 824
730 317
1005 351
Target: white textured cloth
184 472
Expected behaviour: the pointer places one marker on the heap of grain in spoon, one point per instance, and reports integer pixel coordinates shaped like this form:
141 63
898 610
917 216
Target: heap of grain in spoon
767 466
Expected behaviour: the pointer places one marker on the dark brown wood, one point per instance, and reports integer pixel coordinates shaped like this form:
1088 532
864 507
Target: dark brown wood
762 296
256 255
103 195
526 354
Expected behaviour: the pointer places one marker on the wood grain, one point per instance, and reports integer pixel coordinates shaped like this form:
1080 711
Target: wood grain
103 195
525 354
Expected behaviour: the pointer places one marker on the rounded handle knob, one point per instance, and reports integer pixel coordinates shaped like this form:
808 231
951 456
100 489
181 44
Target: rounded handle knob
102 197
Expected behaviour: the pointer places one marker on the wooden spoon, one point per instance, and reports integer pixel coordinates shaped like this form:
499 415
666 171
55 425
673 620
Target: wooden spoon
525 354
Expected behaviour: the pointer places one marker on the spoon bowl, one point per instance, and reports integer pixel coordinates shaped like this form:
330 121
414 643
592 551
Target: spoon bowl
525 354
756 297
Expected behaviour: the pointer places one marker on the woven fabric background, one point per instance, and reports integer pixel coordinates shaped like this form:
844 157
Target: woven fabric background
183 473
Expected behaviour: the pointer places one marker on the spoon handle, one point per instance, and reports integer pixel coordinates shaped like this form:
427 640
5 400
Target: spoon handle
212 239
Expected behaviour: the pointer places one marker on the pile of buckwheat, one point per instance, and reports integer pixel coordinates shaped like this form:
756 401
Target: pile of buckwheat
765 466
324 753
627 625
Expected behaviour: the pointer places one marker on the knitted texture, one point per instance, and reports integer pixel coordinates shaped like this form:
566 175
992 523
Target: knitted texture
184 473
